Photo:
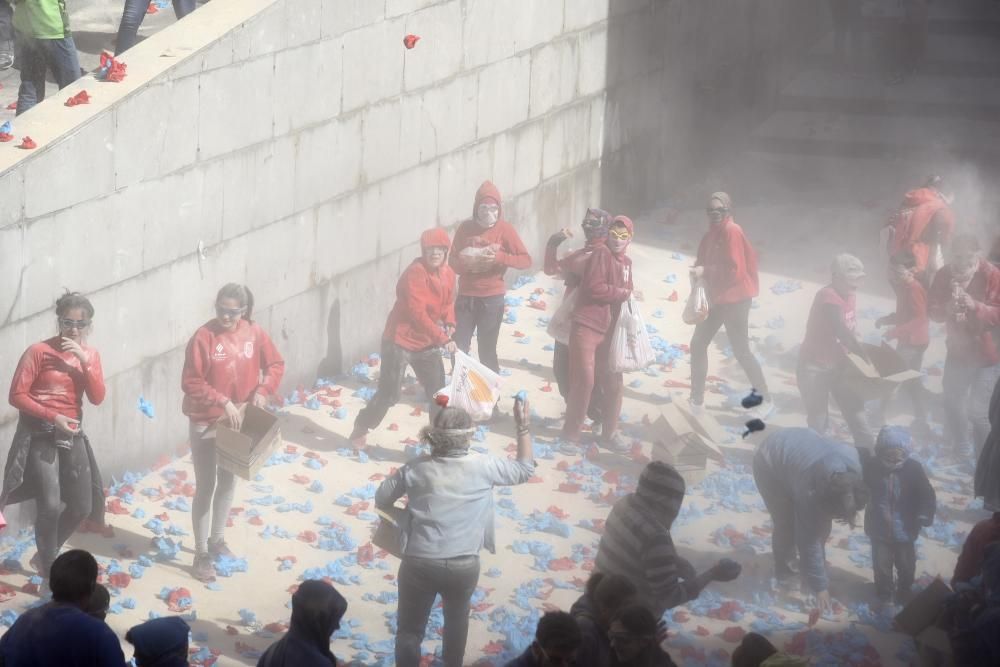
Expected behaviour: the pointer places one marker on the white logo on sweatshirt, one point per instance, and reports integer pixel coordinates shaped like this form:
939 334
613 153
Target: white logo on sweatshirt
220 352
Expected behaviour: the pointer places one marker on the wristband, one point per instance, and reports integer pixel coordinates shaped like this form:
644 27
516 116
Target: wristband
522 430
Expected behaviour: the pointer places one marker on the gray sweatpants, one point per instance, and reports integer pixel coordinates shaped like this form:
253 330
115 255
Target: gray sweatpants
214 490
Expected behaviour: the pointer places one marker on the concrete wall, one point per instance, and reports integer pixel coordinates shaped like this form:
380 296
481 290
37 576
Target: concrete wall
686 83
303 149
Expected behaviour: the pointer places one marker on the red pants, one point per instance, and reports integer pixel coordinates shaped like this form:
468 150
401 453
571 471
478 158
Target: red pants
588 365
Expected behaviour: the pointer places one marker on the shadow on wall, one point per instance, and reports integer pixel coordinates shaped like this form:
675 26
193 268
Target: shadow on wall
686 83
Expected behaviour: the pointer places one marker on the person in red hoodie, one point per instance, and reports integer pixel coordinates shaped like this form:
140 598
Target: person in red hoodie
570 268
605 286
421 323
485 247
831 332
923 225
965 295
727 265
911 331
50 460
230 360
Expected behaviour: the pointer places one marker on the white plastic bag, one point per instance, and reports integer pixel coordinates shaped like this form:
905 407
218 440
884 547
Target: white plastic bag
696 309
562 320
474 387
631 349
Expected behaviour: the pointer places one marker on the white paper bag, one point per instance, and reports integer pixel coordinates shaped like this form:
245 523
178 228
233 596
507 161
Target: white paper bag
631 349
474 387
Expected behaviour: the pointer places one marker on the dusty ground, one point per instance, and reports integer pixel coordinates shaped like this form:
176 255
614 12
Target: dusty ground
306 515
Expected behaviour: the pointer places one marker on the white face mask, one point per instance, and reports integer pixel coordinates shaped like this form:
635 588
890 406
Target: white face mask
487 215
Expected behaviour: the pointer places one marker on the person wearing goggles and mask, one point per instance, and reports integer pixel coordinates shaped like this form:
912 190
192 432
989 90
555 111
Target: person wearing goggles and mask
605 286
485 247
229 361
727 267
965 295
51 460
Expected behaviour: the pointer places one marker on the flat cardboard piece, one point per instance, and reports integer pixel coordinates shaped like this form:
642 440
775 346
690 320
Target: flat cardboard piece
244 452
879 378
922 611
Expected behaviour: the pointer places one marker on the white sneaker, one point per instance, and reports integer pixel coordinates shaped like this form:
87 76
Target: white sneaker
696 409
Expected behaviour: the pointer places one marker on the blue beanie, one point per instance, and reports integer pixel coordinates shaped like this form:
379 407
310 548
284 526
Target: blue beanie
893 437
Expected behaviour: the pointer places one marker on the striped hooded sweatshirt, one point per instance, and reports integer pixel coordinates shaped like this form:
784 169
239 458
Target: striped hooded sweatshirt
637 542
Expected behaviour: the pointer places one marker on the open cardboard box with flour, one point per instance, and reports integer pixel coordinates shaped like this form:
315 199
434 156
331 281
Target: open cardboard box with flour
882 376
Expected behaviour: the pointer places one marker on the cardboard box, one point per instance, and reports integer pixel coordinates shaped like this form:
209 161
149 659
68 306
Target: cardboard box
684 440
244 452
923 610
882 376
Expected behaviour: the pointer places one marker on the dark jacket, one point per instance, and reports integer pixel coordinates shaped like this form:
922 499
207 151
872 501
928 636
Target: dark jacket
595 649
17 488
902 501
56 634
987 479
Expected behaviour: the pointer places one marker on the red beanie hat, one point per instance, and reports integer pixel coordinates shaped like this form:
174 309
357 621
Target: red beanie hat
435 237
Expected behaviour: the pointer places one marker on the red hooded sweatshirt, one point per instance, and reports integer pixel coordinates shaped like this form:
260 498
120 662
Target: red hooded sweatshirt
730 264
923 218
510 251
606 285
50 382
425 301
911 323
571 267
970 339
222 366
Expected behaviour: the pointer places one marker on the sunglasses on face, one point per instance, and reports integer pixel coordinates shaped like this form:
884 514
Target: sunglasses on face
229 312
712 210
68 324
621 234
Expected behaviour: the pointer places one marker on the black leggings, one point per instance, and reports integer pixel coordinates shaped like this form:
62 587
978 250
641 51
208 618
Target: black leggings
736 318
62 476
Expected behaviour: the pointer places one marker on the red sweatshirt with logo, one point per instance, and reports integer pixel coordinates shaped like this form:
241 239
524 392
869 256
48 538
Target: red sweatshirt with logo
222 366
50 382
510 250
911 322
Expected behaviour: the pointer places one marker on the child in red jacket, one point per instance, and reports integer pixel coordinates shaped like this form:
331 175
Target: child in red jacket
229 361
420 324
910 330
485 247
727 265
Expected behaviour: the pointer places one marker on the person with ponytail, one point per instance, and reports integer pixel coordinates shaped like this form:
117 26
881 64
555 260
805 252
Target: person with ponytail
51 460
230 361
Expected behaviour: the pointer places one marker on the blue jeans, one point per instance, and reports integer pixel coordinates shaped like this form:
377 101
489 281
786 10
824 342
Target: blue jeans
35 57
135 12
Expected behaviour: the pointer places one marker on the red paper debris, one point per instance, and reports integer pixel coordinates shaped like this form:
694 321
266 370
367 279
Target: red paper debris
494 648
300 479
114 506
4 137
547 387
559 564
535 479
676 384
558 512
416 412
80 98
151 9
568 487
120 579
357 507
308 536
27 143
410 41
115 70
442 400
276 627
30 588
366 554
702 631
394 427
12 106
681 616
175 597
673 296
255 521
734 634
6 593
